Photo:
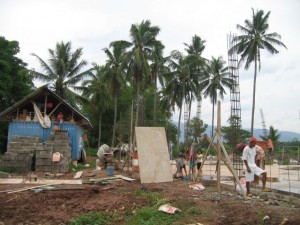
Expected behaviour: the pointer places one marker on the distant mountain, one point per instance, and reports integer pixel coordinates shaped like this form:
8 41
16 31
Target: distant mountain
285 136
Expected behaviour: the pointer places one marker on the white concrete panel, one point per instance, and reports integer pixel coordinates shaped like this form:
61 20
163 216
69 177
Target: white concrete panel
153 155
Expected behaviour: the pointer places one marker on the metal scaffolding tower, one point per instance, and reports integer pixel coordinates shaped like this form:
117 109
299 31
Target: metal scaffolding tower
235 116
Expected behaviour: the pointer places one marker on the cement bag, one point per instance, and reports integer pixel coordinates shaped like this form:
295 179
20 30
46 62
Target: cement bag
243 184
56 157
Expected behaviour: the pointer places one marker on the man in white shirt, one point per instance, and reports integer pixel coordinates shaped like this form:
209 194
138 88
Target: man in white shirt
252 169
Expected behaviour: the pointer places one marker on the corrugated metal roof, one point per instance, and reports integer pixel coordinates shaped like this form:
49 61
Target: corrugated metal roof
37 93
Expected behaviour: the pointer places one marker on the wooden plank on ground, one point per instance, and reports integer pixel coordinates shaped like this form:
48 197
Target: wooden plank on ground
125 178
78 175
104 179
39 181
29 188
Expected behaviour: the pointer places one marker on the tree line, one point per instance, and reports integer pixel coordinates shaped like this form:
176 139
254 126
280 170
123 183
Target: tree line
138 85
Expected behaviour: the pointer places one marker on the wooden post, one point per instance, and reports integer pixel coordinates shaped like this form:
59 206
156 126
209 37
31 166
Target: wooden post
45 106
218 147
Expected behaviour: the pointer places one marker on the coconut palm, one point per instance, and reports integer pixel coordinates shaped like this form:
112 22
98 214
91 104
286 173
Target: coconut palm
182 81
254 39
143 41
196 47
115 75
215 82
64 70
157 68
195 50
96 92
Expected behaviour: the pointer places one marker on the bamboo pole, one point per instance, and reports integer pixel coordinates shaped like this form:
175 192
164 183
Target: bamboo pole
218 147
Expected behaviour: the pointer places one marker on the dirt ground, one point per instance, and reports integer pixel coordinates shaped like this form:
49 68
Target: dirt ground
61 206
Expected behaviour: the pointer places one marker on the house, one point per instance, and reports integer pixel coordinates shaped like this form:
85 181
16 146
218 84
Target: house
35 132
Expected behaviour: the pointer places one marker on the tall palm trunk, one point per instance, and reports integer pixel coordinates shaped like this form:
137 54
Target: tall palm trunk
188 121
99 130
137 103
179 119
155 102
213 119
115 122
254 90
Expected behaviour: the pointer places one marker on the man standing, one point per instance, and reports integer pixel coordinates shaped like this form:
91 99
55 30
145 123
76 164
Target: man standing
252 169
270 146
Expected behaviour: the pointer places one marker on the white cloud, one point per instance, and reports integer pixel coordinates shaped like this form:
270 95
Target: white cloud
39 24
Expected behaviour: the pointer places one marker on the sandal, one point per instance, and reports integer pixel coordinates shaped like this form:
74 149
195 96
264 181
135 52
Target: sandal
266 190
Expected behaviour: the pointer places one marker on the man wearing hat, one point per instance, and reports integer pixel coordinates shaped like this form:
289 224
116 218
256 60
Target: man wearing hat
252 169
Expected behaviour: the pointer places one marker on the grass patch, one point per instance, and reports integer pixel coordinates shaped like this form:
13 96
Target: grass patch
93 218
81 166
91 152
152 197
150 216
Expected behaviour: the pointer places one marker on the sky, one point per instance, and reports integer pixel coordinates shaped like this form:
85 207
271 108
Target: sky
92 24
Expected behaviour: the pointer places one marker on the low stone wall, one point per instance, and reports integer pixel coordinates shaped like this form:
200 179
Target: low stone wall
28 153
20 152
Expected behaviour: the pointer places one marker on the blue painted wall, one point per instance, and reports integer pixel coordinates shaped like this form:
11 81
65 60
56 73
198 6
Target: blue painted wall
75 134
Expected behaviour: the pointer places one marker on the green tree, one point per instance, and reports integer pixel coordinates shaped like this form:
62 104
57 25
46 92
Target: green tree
254 39
195 50
273 135
143 41
115 75
197 128
15 81
157 68
196 47
230 139
215 81
95 91
64 71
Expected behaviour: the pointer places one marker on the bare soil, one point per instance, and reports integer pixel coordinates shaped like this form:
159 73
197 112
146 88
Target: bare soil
61 206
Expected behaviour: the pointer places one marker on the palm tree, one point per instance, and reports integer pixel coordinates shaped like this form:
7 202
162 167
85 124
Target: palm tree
115 75
249 44
143 41
214 83
64 70
195 50
157 68
95 91
181 81
273 135
197 46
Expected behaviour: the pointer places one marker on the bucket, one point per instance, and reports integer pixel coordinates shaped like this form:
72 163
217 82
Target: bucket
110 171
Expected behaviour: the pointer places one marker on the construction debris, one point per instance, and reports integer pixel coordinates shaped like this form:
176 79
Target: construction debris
198 187
4 175
78 175
52 175
167 208
29 188
56 188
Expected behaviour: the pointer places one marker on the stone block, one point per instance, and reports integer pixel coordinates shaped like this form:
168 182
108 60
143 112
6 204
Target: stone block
44 155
